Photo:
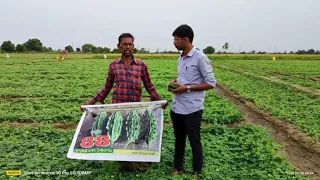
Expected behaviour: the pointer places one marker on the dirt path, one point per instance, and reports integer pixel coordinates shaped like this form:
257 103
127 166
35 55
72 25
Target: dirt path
309 90
298 148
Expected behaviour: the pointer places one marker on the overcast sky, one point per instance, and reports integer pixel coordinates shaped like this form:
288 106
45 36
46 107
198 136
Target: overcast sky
265 25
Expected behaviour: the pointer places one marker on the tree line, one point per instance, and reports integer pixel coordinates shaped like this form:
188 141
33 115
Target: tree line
211 50
35 45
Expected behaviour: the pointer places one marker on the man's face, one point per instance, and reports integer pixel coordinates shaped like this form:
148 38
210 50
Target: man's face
126 46
179 43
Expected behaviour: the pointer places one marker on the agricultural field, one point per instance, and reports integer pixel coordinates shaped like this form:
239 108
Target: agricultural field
291 71
38 90
283 100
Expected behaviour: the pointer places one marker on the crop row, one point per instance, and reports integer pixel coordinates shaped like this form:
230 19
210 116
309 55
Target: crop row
242 153
217 110
297 108
62 85
304 73
71 78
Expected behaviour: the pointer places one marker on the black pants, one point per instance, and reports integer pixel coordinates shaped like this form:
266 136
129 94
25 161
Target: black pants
187 125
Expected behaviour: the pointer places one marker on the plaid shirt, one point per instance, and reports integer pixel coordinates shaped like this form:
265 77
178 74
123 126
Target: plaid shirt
127 82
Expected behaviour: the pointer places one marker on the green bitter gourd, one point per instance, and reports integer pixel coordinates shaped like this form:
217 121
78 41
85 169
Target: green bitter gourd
97 126
172 86
133 126
114 126
152 133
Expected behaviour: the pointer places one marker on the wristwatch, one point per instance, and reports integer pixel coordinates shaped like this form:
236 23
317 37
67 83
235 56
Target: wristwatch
189 90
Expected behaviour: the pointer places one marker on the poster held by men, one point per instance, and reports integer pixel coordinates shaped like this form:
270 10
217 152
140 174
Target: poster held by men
119 132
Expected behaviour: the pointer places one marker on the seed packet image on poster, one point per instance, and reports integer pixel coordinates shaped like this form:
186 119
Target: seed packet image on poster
131 128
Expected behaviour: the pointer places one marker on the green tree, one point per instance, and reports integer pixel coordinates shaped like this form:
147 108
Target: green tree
103 50
69 48
94 50
106 50
100 49
33 45
78 49
20 48
225 46
88 48
8 46
311 51
135 50
46 49
209 50
116 51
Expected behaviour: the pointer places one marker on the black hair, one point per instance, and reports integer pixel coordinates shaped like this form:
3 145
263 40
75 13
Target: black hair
184 31
125 35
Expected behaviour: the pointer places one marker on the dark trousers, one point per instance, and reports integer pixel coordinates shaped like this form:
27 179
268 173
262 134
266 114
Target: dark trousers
187 125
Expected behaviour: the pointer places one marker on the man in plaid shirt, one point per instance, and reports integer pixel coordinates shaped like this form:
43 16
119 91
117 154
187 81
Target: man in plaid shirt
127 73
128 76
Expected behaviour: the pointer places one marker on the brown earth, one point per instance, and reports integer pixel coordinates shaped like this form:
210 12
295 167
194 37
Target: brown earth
315 79
299 149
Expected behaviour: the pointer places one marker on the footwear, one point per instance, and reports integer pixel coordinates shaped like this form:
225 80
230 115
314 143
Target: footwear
197 175
175 172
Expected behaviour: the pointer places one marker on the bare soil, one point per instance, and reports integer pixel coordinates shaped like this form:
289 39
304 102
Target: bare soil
315 79
299 149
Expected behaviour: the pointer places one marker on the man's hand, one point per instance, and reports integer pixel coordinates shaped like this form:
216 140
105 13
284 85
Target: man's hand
164 106
173 82
91 102
180 89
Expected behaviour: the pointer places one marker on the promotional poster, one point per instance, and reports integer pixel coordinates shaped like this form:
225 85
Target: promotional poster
119 132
